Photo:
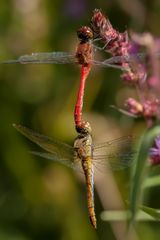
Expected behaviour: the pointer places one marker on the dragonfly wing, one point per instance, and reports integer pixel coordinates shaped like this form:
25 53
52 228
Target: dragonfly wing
54 157
118 153
117 60
108 65
124 59
44 57
55 147
77 166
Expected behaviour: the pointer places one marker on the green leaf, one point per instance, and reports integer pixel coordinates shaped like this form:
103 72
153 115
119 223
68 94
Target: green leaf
151 182
155 213
140 167
124 215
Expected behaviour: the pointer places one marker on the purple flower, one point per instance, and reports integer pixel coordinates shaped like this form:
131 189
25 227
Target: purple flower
154 152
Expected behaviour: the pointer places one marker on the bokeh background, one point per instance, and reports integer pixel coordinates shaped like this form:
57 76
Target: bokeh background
40 199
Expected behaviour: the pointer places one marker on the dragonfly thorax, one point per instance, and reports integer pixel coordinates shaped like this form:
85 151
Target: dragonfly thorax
83 146
84 53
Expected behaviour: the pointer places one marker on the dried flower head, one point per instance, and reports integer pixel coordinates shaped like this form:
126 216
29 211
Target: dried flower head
102 27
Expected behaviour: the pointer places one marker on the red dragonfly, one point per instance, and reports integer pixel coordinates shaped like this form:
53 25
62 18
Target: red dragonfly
83 57
84 156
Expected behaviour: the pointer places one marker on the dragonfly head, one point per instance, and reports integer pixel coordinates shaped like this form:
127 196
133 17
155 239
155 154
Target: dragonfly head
84 34
84 128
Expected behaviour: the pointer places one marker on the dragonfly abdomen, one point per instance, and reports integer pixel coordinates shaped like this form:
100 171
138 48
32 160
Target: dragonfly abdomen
87 166
84 152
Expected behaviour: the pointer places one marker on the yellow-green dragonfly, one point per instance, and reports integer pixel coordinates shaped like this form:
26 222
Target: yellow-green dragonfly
85 155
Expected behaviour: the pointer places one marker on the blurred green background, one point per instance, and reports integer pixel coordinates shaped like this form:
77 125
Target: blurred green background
40 199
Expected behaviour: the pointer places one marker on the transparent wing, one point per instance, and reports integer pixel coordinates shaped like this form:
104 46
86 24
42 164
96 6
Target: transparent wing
128 58
110 64
117 61
125 59
44 57
68 58
55 158
62 58
56 150
118 153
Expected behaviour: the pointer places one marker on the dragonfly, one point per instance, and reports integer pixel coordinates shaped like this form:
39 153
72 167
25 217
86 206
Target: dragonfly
84 156
83 57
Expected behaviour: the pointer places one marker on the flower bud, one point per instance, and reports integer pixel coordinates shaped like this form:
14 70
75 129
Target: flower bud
150 108
134 106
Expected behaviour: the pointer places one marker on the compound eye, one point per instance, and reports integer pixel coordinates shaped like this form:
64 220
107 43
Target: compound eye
85 33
